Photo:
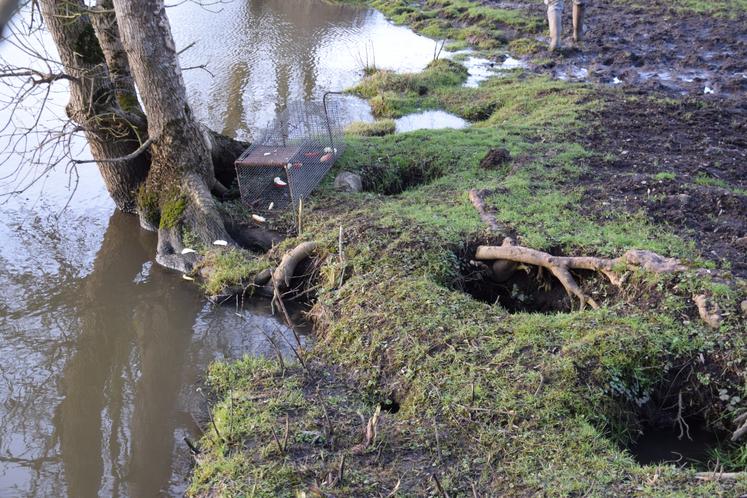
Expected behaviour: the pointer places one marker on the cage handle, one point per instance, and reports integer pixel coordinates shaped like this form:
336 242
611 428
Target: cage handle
326 117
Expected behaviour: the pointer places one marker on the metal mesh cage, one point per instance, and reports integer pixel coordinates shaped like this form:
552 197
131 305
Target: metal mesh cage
293 154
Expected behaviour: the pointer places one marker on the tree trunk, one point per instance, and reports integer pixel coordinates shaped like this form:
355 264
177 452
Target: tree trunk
104 23
109 132
181 161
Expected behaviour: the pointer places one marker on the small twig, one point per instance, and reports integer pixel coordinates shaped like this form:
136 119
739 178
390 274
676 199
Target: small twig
393 493
441 490
287 433
720 476
438 440
128 157
210 416
341 469
277 441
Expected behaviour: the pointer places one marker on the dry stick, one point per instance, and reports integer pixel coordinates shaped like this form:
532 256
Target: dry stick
341 469
210 416
723 476
330 429
277 441
342 259
441 490
741 419
393 493
287 433
275 347
279 300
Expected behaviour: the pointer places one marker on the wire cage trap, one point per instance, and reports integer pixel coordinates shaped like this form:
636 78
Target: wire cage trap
293 154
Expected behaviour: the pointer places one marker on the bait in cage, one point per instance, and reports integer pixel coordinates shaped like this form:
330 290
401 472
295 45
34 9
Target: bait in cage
293 154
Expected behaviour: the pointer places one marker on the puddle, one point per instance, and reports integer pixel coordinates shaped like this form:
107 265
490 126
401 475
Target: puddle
480 69
429 120
572 73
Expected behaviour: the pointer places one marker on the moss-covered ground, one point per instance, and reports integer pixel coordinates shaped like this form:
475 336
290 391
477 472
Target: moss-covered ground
468 398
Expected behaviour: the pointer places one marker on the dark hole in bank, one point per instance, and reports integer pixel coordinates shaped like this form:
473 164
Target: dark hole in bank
521 288
391 180
389 406
524 291
676 444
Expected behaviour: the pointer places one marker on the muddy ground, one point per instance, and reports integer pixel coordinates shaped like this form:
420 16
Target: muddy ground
683 162
671 139
651 45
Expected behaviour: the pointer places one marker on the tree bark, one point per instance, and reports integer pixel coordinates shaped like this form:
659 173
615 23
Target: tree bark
93 106
181 157
104 23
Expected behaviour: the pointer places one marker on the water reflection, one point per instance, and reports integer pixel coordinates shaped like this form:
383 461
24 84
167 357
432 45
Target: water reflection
265 53
99 371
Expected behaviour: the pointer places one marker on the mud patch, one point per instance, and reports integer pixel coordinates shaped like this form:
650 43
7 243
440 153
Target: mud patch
682 162
650 45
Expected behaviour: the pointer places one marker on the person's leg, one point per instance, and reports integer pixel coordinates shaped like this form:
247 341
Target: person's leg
579 12
554 16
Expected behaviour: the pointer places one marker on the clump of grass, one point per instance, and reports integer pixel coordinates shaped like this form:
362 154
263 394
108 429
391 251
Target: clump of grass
228 269
378 128
665 176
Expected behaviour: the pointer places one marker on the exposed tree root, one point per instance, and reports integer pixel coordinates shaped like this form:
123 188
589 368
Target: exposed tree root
561 266
283 274
742 430
475 197
720 476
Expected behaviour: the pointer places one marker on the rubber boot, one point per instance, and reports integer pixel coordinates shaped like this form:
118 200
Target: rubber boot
578 22
554 20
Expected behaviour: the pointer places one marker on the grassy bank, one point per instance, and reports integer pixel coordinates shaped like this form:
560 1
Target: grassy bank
416 388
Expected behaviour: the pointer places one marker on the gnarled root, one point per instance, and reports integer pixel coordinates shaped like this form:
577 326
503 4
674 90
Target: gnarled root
281 277
561 266
739 433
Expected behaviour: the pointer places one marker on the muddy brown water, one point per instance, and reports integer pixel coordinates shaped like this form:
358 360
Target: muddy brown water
101 350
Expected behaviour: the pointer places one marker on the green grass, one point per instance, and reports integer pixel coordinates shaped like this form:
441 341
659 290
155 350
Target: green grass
524 404
229 268
725 8
378 128
517 404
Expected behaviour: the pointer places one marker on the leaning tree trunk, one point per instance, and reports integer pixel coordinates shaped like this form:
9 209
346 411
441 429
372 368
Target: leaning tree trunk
111 133
104 23
181 170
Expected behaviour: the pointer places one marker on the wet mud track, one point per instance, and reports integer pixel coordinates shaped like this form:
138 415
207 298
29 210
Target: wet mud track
671 136
650 45
683 162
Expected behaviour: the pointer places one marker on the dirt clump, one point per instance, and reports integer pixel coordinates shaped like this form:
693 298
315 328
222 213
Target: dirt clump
495 158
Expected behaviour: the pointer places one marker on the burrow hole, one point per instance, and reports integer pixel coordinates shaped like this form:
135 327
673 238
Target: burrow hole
521 288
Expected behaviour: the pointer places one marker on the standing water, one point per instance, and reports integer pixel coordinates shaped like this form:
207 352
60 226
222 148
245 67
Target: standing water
101 350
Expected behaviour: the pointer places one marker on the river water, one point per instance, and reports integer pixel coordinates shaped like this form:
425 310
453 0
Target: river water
101 350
